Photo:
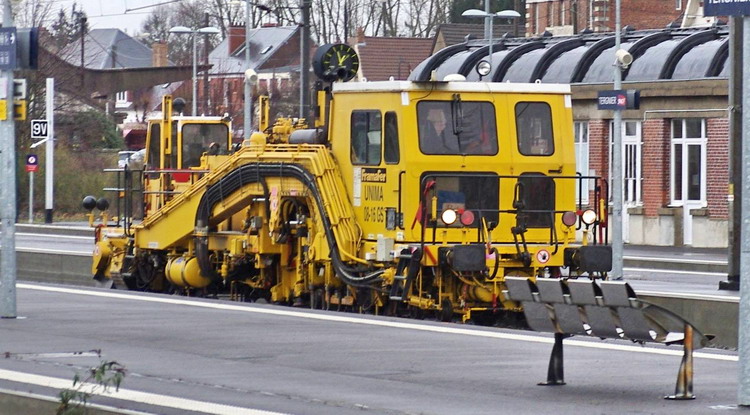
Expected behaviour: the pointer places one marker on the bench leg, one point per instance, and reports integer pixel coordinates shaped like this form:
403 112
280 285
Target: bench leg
684 388
555 375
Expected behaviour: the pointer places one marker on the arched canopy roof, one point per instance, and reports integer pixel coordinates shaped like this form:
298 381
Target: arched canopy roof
694 53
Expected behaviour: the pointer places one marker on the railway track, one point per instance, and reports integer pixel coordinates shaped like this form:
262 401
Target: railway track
713 312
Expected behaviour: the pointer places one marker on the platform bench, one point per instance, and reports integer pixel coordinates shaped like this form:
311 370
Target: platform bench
604 309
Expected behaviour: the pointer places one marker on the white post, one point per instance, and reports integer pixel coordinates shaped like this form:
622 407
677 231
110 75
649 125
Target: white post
616 185
8 190
489 17
31 197
487 23
49 163
195 73
743 393
247 125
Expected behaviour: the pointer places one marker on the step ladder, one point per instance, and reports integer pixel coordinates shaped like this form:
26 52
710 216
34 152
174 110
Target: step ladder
410 262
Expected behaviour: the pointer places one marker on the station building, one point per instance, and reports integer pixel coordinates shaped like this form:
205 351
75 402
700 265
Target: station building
675 146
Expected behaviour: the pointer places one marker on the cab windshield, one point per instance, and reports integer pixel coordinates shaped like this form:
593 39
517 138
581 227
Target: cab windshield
457 127
202 138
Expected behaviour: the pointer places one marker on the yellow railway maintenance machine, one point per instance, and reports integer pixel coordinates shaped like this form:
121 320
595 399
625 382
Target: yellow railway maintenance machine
400 197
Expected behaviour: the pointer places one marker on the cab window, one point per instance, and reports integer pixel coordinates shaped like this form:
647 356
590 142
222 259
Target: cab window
534 129
476 192
537 200
457 127
391 153
202 138
154 147
366 137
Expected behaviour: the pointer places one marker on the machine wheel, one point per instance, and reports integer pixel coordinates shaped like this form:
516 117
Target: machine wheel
317 299
446 312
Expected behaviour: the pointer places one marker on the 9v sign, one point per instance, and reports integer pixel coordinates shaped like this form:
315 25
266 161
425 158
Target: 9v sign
39 129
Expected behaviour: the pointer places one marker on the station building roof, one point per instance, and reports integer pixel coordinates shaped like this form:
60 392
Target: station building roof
588 58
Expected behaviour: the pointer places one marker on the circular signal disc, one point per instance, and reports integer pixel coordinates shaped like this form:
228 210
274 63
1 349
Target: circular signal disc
542 256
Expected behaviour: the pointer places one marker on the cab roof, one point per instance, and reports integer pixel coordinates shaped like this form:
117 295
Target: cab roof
451 86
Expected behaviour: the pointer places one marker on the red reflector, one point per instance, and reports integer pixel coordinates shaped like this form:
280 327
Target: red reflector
467 218
569 218
182 177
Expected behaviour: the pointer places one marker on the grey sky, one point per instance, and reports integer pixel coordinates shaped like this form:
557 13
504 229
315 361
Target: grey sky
105 14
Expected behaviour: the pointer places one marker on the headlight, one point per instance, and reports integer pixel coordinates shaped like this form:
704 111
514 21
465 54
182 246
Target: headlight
484 68
569 218
449 216
588 217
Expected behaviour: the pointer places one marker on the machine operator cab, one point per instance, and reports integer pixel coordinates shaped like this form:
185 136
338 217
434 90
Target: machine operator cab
180 149
502 153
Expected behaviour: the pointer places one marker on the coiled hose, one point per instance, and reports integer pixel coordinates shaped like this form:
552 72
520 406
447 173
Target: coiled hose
360 276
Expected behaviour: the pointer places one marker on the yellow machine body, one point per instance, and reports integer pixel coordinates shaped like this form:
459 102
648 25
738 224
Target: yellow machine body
368 210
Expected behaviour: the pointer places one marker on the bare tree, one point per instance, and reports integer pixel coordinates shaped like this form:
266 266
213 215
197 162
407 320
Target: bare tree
32 13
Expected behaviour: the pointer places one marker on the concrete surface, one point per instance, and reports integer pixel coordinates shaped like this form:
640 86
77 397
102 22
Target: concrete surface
245 357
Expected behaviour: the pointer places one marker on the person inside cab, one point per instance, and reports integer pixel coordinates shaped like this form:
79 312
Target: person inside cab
460 128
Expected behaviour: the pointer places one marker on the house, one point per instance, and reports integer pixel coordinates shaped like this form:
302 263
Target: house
675 146
448 34
274 56
567 17
382 58
111 49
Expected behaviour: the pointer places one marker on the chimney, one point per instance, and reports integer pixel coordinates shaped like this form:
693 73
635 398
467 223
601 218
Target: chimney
360 34
236 37
159 54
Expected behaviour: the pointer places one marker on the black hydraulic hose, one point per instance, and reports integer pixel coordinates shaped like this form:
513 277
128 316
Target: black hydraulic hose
257 172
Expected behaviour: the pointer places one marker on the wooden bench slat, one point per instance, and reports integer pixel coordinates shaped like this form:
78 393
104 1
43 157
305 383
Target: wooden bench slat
519 288
635 326
540 317
550 290
582 292
616 293
602 321
570 319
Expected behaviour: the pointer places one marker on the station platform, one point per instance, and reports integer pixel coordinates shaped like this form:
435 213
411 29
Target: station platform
189 356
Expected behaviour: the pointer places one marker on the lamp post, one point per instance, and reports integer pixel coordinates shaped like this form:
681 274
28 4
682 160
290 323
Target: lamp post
488 17
247 122
203 30
250 76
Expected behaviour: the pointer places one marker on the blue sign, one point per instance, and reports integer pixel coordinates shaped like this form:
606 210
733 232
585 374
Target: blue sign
611 100
7 48
32 160
726 7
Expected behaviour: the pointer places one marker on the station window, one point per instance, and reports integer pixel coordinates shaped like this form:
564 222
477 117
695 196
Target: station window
121 99
581 134
457 127
366 137
688 161
391 152
534 129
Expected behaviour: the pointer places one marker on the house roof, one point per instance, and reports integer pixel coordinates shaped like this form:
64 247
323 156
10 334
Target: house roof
454 33
108 49
383 57
264 43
